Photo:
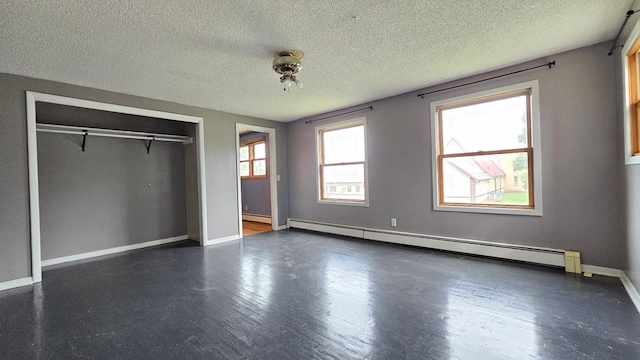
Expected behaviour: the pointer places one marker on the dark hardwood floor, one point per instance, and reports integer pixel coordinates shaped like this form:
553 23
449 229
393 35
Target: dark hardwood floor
301 295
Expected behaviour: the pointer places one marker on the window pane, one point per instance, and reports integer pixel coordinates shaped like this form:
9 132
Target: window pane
495 125
486 179
344 145
244 168
244 153
259 151
338 179
259 168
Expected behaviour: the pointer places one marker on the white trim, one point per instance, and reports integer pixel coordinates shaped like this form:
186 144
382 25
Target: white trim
364 203
327 228
110 251
202 183
503 251
601 270
537 255
273 172
16 283
629 157
34 201
631 290
89 104
535 143
257 218
223 239
282 227
34 193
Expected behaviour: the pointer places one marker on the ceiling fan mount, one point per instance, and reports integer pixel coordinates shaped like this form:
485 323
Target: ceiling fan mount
288 64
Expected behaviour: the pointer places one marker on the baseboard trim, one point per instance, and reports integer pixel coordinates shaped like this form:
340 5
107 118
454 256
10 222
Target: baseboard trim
601 270
11 284
282 227
536 255
257 218
110 251
631 290
223 240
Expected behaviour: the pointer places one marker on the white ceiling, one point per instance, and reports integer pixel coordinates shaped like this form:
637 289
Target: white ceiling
217 54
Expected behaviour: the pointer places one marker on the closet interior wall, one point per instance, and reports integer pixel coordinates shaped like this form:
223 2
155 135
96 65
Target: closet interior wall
114 193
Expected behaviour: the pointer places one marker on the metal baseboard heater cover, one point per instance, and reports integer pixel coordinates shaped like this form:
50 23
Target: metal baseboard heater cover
530 254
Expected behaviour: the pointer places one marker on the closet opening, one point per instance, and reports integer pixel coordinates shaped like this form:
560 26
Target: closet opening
107 178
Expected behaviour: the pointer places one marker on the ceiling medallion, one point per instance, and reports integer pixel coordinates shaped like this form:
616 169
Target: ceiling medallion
288 64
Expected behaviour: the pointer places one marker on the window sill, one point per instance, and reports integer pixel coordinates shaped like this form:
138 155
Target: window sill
483 210
347 203
632 160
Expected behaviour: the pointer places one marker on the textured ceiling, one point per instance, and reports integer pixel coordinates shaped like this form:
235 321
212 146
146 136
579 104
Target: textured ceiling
217 54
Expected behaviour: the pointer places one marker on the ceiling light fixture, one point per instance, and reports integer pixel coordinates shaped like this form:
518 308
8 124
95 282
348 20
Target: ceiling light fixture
288 64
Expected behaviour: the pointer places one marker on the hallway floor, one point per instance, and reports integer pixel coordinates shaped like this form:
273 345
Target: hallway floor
252 228
300 295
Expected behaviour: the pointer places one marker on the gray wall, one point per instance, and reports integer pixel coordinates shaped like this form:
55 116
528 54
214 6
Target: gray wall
112 194
220 162
580 165
256 194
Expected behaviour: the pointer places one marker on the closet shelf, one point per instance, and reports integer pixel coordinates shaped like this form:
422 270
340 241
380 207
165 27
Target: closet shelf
81 130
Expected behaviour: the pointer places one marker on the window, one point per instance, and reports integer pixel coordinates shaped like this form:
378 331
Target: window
630 54
342 163
253 159
479 142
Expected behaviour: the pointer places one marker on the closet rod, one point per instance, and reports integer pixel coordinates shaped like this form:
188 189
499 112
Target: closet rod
78 130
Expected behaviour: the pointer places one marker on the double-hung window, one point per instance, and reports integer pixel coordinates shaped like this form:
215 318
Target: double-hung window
253 159
486 152
342 166
631 66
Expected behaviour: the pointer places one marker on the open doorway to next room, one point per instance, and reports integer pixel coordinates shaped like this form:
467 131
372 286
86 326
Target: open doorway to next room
255 182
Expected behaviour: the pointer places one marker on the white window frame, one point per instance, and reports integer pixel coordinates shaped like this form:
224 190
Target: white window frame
535 143
629 157
319 128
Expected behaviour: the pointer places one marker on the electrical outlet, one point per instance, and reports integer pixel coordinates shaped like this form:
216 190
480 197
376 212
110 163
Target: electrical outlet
393 222
246 207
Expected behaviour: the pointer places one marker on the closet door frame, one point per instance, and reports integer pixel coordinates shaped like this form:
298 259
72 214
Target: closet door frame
34 200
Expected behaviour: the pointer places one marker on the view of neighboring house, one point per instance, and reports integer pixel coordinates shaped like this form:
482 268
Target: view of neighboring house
345 189
515 180
472 179
345 183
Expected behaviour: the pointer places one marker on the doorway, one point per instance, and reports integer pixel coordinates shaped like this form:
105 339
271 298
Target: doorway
257 179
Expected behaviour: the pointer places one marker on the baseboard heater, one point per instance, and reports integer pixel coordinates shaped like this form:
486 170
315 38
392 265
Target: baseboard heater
530 254
266 219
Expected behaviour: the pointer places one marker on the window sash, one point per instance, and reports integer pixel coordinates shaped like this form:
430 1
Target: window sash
324 196
528 149
252 158
631 78
322 164
634 98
